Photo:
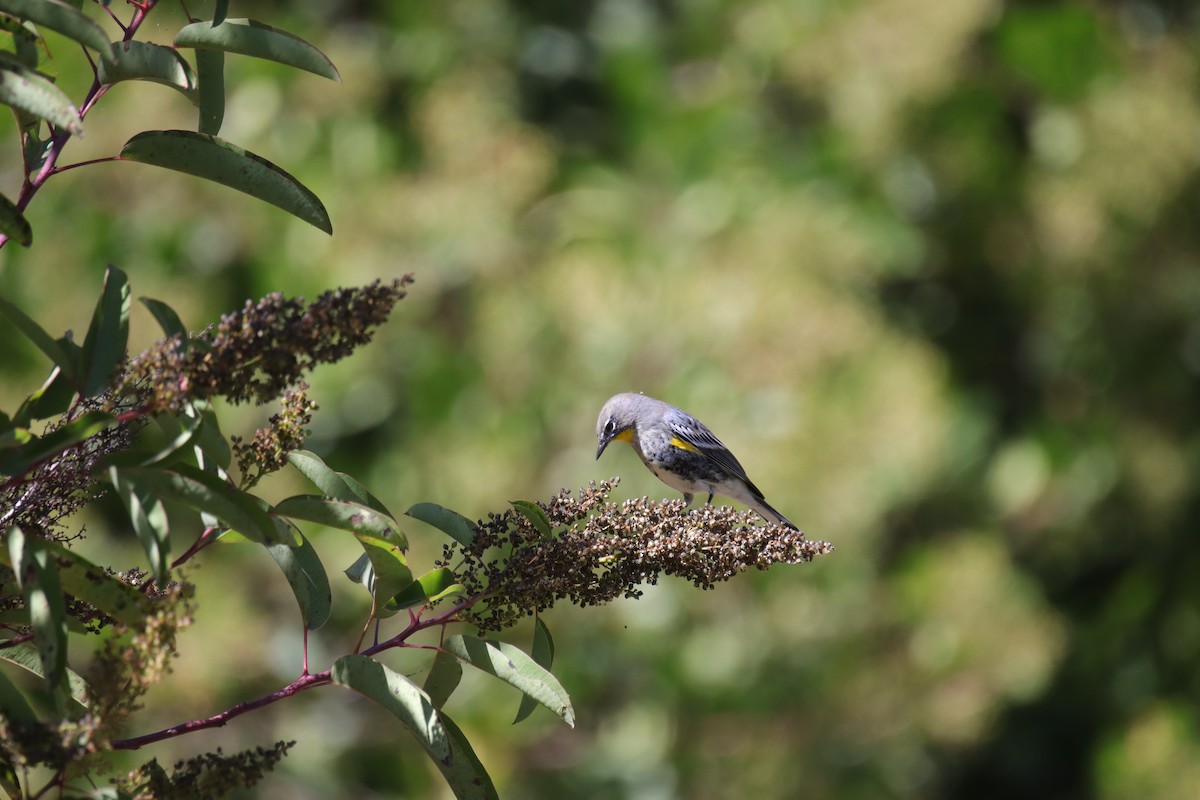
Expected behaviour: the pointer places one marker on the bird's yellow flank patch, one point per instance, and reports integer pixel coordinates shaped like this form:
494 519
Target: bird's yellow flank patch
682 445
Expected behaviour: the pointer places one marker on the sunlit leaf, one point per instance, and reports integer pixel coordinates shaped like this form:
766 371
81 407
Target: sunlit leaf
511 665
398 695
108 334
17 460
463 770
536 516
451 523
37 577
30 92
205 492
343 514
542 653
27 657
331 483
145 61
434 585
215 159
382 569
252 38
149 519
61 18
167 319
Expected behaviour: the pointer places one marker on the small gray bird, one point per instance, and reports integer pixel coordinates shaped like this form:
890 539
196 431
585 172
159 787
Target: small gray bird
680 450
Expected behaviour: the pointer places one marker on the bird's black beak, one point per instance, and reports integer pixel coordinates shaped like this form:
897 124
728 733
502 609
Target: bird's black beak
604 440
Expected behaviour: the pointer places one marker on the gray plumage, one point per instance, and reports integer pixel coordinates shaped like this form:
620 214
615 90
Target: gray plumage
680 451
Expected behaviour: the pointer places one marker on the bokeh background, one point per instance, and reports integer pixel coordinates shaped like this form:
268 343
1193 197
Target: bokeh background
930 268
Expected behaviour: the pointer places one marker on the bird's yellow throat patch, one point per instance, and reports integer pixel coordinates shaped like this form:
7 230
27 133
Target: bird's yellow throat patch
625 436
682 445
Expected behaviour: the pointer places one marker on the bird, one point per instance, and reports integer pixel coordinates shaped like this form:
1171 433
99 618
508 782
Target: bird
680 450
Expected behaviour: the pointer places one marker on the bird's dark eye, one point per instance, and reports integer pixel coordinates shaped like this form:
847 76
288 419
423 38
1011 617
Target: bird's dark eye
610 427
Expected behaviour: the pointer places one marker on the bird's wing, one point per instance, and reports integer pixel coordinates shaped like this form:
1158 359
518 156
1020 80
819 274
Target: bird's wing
693 433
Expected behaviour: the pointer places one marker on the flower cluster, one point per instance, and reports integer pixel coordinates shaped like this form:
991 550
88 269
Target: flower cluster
255 354
267 451
600 551
207 775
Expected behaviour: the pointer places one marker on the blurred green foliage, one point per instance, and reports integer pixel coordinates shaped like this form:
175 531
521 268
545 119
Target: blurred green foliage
929 268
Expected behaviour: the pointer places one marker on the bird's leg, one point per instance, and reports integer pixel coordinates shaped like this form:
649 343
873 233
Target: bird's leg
687 499
708 502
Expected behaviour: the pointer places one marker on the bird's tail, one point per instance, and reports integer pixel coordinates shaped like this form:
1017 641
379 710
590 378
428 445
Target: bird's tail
769 514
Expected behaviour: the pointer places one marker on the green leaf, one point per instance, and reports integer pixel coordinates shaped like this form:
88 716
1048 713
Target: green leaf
149 519
463 770
217 160
430 587
210 494
398 695
27 657
167 319
306 575
210 72
451 523
37 334
337 485
443 678
108 335
60 18
536 516
90 584
13 223
382 569
37 577
511 665
543 654
30 92
9 781
52 399
252 38
18 460
211 445
144 61
343 514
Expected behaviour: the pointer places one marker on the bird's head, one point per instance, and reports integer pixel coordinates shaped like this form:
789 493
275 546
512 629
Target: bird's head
617 420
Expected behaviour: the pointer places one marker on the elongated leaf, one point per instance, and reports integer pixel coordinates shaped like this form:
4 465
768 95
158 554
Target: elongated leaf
542 653
167 319
17 460
149 519
9 780
343 514
61 18
382 569
463 770
451 523
108 335
433 585
134 61
217 160
37 577
536 516
212 448
306 575
210 72
398 695
252 38
207 493
13 223
511 665
90 584
52 399
27 91
27 657
443 678
37 334
337 485
14 705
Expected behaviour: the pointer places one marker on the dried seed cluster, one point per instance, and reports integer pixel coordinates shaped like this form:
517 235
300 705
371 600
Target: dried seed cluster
600 551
